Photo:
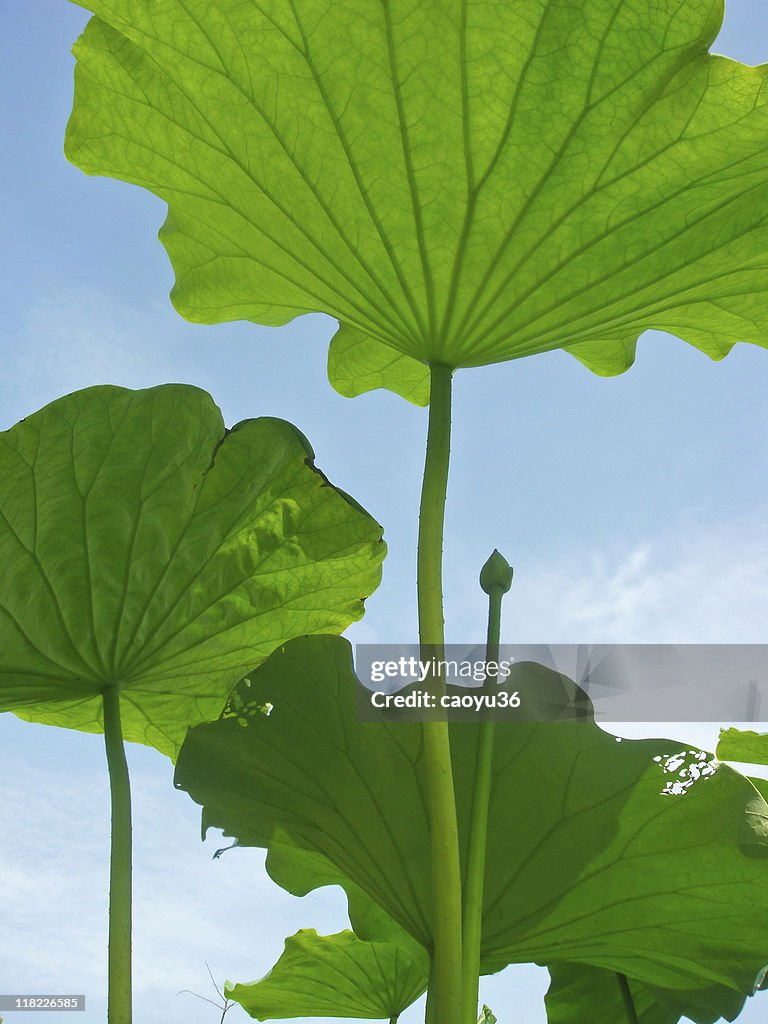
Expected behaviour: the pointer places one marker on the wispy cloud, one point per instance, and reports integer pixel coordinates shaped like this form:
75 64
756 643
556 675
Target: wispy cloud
689 585
703 584
189 910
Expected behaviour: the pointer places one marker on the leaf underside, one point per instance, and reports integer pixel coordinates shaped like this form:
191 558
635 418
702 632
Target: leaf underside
746 745
145 546
375 971
576 989
455 182
600 868
334 976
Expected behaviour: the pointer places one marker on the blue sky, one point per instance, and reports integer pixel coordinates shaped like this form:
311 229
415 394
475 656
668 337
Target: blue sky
633 510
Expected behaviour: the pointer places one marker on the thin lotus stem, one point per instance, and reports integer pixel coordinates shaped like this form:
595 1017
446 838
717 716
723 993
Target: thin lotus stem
629 1003
495 579
444 999
119 1009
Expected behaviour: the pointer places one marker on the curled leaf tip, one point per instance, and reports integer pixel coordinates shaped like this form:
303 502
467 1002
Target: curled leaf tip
496 573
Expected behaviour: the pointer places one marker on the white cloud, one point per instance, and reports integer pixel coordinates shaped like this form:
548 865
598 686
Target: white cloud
707 584
189 910
703 584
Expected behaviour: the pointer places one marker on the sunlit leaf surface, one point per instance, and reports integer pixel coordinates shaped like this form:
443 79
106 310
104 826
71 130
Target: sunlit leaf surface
461 182
145 546
746 745
335 976
591 858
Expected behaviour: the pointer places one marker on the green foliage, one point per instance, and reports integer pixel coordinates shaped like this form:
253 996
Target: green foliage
738 745
576 989
374 971
460 183
146 547
357 363
299 871
334 976
587 862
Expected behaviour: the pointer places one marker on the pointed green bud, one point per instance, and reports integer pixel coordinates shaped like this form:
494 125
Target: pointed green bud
497 572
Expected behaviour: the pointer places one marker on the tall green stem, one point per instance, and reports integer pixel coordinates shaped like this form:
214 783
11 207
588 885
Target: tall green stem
444 1001
629 1003
119 1002
495 580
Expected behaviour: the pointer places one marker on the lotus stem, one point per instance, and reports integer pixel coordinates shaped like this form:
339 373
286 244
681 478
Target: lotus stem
444 997
119 1004
495 580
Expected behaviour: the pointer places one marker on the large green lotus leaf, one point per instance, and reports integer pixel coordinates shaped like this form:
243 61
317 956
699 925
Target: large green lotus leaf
146 546
335 976
576 990
374 971
589 861
390 969
358 363
747 745
301 871
461 182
